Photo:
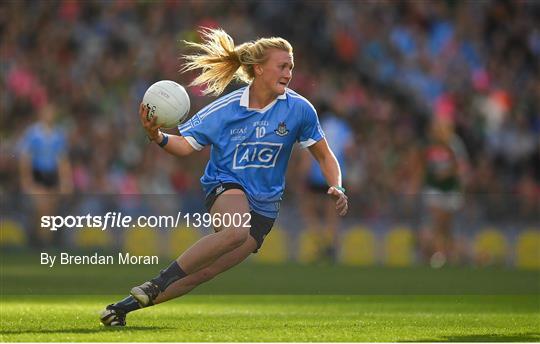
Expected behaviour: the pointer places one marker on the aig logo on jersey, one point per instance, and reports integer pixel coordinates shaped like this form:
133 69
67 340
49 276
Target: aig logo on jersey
256 155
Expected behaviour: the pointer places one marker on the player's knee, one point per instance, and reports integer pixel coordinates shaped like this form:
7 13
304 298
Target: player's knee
235 237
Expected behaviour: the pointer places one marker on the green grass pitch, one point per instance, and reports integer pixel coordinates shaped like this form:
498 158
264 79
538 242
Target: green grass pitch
253 318
254 303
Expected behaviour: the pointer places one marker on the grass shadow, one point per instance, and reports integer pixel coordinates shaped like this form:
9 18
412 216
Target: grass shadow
520 337
87 330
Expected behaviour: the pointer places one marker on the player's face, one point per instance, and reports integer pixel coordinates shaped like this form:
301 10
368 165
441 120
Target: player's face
277 70
47 114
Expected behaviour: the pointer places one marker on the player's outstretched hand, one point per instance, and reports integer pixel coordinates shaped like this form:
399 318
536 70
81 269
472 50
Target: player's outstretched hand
149 124
342 201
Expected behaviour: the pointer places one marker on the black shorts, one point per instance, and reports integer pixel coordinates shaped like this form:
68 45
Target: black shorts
260 225
47 179
317 188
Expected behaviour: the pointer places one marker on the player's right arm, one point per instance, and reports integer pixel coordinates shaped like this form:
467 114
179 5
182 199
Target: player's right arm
25 171
176 145
25 165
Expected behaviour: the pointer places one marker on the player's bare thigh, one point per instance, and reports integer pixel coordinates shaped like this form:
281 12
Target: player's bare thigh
233 202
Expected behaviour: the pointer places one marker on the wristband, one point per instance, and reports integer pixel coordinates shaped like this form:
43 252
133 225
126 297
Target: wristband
339 188
164 141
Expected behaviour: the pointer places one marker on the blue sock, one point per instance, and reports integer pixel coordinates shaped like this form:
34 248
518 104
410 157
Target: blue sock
128 304
168 275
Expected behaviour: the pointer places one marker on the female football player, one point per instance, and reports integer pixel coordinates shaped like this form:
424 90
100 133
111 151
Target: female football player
251 133
45 171
445 166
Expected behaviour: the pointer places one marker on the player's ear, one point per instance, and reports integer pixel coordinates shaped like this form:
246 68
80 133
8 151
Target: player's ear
258 69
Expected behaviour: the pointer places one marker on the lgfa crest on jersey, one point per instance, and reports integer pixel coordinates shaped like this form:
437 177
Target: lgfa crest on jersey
281 129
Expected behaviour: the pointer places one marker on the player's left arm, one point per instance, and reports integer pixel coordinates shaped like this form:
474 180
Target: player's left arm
332 173
66 176
65 172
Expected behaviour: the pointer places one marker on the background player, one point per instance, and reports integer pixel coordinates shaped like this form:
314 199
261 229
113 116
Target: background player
45 170
251 132
446 163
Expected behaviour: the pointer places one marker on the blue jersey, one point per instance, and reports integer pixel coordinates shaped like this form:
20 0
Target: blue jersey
339 136
252 147
44 147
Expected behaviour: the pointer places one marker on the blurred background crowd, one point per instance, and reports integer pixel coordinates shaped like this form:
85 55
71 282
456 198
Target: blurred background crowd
399 75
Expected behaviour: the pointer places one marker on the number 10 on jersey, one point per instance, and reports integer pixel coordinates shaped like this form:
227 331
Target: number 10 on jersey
259 132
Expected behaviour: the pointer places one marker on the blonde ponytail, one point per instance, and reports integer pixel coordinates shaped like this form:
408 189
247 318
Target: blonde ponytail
221 61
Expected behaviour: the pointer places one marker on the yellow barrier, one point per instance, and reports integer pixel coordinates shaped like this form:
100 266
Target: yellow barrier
88 238
274 248
399 247
141 241
181 239
12 233
308 246
358 247
528 249
490 247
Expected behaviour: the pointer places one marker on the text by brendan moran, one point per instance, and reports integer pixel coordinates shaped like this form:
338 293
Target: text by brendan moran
65 258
